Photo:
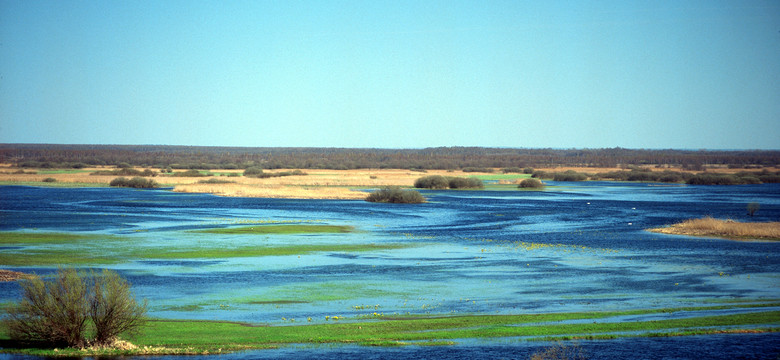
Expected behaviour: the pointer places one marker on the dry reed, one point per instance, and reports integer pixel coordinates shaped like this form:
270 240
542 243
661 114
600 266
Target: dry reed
709 226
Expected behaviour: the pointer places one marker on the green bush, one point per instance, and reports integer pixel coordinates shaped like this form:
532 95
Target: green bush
253 171
531 184
714 179
136 182
63 311
432 182
477 169
509 170
396 195
465 183
539 174
49 180
570 175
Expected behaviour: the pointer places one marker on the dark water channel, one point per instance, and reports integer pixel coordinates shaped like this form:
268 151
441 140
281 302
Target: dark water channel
573 247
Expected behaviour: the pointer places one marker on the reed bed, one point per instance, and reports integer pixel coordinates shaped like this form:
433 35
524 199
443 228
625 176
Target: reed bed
709 226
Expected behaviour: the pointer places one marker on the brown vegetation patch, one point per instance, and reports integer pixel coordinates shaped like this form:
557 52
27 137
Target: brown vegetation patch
8 275
730 229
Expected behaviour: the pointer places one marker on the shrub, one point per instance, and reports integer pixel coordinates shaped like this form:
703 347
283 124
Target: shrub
396 195
670 178
112 308
60 312
541 175
465 183
714 179
570 175
512 170
52 312
136 182
531 183
432 182
477 169
769 178
49 180
528 170
252 171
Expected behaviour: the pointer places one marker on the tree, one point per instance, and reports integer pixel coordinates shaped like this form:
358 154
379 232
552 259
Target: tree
56 312
53 312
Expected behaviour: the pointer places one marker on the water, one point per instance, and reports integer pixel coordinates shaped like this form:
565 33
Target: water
573 247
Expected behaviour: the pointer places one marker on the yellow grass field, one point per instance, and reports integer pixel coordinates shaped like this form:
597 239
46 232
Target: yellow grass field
709 226
316 184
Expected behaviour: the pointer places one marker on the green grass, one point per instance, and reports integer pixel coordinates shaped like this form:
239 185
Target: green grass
27 238
253 251
117 252
280 229
192 336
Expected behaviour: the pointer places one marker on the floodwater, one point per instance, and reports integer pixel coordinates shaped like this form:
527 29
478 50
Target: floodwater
572 247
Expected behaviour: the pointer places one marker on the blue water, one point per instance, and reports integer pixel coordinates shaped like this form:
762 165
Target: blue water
573 247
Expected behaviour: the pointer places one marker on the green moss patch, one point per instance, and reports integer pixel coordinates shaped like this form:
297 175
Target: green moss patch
25 238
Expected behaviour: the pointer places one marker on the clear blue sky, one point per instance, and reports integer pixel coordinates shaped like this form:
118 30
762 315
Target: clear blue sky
394 74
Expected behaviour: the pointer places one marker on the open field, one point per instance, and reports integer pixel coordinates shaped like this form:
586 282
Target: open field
724 228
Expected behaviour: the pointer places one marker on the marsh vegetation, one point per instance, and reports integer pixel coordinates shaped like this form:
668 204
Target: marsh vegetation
709 226
448 182
395 195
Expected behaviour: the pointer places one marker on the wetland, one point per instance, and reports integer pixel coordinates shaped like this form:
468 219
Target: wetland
499 272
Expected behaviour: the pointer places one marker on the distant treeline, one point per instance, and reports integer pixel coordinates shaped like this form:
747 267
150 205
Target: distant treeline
449 158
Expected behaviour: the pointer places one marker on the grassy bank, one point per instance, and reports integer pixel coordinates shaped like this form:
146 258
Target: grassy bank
201 337
729 229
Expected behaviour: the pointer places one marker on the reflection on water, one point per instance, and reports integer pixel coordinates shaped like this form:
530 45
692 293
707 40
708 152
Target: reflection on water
578 246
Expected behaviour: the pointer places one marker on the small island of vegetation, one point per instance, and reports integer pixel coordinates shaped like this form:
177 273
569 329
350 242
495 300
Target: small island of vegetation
448 182
393 194
729 229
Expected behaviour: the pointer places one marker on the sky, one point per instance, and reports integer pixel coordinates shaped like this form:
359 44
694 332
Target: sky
392 74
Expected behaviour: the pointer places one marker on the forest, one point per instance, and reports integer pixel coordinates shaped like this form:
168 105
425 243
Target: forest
443 158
